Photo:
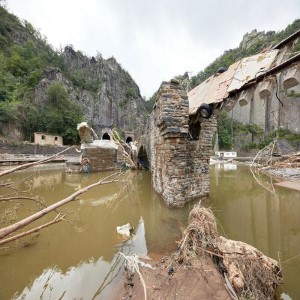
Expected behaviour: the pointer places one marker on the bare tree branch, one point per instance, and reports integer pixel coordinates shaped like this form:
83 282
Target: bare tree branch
15 198
2 199
28 165
18 225
36 229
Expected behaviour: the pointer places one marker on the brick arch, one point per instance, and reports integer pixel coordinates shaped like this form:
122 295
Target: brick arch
143 157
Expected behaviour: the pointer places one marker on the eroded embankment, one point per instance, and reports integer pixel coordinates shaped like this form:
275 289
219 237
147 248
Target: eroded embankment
191 271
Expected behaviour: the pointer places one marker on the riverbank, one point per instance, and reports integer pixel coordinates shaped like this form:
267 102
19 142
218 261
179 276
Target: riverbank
34 149
201 281
205 265
285 168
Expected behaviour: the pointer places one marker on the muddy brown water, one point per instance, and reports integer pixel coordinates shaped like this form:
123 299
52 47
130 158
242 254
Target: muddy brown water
79 259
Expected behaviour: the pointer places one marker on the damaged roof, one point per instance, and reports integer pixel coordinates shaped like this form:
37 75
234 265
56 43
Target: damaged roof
217 87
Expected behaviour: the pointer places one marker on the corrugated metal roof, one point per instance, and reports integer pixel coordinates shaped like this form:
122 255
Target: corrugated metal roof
217 87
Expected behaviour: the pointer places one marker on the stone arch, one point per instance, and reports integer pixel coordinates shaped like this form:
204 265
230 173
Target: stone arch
143 160
106 136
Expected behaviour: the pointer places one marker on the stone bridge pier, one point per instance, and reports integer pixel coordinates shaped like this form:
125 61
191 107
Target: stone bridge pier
178 147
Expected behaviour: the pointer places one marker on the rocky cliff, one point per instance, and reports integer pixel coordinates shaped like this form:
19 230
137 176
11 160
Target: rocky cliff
106 92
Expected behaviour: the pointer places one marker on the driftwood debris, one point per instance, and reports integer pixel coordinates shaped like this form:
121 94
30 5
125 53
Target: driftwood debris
288 161
132 266
248 271
273 158
127 151
280 166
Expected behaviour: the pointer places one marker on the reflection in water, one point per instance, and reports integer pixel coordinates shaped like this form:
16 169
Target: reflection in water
80 258
76 257
87 280
262 216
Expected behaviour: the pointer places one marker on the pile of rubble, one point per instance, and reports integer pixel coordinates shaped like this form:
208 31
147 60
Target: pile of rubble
269 160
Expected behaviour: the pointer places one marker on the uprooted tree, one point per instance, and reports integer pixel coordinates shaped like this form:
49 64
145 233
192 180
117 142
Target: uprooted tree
248 272
10 194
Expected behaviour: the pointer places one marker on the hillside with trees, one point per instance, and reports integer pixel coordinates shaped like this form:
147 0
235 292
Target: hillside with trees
251 44
44 90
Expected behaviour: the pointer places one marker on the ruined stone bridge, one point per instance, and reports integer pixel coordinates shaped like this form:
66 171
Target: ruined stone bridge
177 147
177 143
178 138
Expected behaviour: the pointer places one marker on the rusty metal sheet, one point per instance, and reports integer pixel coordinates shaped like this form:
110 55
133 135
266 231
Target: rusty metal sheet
217 87
250 67
213 90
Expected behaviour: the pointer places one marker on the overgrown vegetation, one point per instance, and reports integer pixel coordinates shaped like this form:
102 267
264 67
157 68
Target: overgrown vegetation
282 133
81 80
28 64
24 55
60 115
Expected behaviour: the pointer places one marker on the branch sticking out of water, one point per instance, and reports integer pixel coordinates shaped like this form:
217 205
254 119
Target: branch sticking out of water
20 224
132 266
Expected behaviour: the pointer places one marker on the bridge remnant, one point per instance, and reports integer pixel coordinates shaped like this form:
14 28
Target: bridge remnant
178 148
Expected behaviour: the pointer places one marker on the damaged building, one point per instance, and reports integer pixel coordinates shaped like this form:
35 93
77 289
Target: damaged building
178 142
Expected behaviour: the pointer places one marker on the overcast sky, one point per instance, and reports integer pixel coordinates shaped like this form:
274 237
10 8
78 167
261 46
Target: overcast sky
154 40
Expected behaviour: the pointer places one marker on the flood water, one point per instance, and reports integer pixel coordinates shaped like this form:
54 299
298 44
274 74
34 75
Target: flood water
79 259
265 217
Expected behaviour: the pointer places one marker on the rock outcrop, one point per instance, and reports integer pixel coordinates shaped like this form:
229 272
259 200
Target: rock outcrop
253 37
106 92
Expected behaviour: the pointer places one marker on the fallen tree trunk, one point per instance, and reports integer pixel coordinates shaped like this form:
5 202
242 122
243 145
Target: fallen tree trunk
18 225
57 219
123 145
251 273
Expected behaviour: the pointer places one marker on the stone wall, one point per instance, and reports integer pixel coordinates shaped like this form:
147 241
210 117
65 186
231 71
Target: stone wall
30 148
179 163
101 159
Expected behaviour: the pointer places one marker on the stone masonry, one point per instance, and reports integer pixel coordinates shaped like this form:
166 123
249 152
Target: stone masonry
179 160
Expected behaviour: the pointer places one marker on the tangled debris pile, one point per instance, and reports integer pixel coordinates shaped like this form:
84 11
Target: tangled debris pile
291 161
205 266
248 272
280 166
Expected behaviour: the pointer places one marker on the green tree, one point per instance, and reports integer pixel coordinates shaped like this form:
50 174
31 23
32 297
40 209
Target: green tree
28 116
225 129
8 112
57 95
60 115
